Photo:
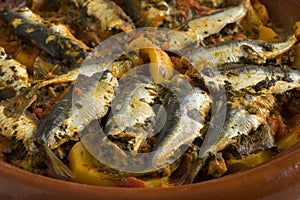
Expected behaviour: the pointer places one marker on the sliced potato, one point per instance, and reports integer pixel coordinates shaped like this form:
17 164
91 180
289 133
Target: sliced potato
249 161
161 66
268 34
88 170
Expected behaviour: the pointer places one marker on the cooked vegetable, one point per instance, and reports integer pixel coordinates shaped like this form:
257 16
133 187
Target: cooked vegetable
249 161
88 170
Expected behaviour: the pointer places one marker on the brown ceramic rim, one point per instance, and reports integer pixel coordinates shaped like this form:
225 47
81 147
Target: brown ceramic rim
278 178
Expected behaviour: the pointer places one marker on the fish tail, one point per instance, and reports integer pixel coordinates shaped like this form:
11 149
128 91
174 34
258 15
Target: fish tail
58 167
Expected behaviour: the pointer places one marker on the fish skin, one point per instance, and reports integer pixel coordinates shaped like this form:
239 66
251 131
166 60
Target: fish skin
22 128
198 28
253 78
110 22
189 115
13 77
53 39
235 51
77 109
245 114
133 103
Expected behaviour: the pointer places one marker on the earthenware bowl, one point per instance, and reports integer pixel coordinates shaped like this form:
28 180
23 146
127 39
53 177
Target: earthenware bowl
278 178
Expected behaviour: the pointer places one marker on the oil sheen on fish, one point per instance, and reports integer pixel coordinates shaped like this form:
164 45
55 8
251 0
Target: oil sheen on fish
254 78
245 114
187 108
69 118
234 51
198 28
132 113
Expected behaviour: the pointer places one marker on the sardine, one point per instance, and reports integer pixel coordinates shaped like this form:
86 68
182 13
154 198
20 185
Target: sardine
69 117
77 109
132 113
245 114
72 75
22 128
253 78
54 39
104 17
147 13
235 51
187 108
194 31
13 77
22 102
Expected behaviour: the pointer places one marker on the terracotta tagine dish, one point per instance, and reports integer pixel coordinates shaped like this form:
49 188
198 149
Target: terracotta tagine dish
115 99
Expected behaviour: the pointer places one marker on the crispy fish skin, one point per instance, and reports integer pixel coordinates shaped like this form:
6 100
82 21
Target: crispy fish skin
22 128
70 116
68 119
54 39
133 103
13 77
185 118
245 114
147 13
198 28
254 78
256 51
108 17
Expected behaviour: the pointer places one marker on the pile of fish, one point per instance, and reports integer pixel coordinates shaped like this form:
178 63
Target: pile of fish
188 112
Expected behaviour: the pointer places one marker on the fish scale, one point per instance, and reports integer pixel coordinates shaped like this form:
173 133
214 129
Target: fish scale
253 78
13 77
56 40
239 121
185 118
198 28
133 103
76 110
235 51
23 128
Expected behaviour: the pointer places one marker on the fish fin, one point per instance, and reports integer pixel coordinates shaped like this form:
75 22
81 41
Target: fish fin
58 167
190 175
18 105
253 53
